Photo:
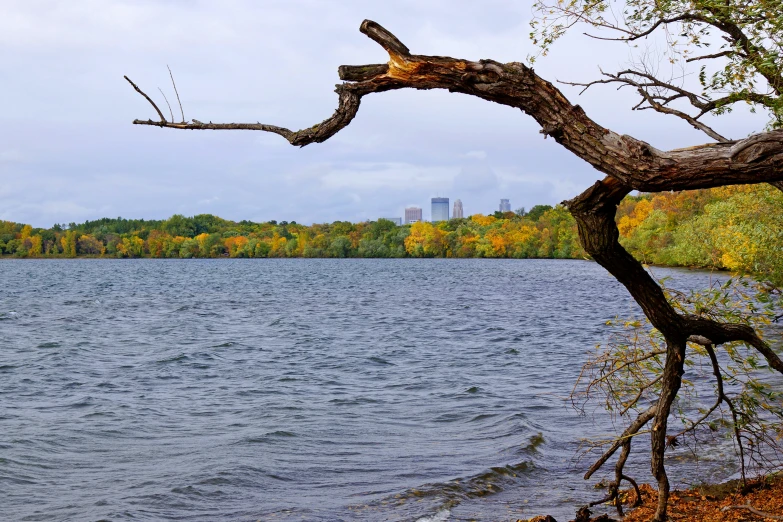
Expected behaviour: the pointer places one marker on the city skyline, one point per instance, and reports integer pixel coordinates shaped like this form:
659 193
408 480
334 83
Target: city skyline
440 211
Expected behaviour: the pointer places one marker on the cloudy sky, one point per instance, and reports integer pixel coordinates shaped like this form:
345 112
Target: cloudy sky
68 150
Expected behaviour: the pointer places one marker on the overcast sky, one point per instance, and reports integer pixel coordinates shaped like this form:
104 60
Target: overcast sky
68 150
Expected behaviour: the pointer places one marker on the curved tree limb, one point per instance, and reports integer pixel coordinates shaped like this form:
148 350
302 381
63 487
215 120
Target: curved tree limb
720 333
630 404
619 476
721 54
633 162
636 35
672 379
136 87
720 396
735 420
642 419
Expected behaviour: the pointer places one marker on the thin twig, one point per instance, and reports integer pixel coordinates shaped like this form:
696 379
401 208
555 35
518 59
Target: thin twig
754 511
167 103
177 93
162 119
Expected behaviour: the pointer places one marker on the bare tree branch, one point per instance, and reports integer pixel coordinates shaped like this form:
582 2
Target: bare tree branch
711 56
634 163
637 35
720 333
162 119
633 429
171 113
177 93
626 77
754 511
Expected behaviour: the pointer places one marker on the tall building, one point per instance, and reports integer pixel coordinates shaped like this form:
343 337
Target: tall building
412 215
457 214
505 206
440 209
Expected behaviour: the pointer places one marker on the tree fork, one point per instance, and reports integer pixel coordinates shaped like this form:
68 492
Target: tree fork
594 211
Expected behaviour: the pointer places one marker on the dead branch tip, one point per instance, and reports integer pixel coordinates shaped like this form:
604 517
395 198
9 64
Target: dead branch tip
177 93
385 38
162 118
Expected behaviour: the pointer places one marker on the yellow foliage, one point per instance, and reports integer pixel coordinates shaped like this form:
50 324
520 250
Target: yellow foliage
131 247
425 240
202 241
627 223
35 247
26 231
482 220
497 243
278 245
68 241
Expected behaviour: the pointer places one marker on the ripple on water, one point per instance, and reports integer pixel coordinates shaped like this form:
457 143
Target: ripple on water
297 389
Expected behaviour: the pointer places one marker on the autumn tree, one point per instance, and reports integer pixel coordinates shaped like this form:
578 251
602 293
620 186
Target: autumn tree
743 65
68 241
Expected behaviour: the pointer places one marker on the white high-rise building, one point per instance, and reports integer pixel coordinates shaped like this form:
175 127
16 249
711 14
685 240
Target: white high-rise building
457 214
505 206
412 215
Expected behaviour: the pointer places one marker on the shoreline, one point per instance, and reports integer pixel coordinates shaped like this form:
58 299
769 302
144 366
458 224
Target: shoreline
226 257
761 499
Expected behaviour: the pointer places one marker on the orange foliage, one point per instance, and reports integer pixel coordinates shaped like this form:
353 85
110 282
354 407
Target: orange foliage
235 245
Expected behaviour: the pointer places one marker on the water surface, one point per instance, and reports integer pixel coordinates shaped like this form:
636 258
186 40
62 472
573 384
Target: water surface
300 389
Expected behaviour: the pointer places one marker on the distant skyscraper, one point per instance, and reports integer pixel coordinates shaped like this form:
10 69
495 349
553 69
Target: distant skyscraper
505 206
457 214
440 209
412 215
396 221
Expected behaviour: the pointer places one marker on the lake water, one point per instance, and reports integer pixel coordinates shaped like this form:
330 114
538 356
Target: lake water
314 390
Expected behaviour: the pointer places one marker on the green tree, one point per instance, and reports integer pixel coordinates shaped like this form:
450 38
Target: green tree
373 248
537 211
189 249
179 225
340 247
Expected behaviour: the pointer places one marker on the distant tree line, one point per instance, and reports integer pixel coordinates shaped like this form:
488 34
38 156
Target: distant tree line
736 228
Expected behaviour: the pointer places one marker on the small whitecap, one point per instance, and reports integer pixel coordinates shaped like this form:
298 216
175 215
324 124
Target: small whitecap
440 516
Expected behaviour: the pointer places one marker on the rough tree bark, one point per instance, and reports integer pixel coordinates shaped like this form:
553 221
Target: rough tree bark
628 163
